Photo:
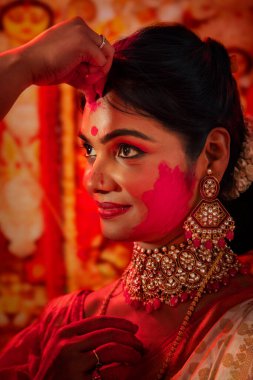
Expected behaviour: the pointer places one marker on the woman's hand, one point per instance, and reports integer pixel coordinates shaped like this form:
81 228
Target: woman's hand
69 354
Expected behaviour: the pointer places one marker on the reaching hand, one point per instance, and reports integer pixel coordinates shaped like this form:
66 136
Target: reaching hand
68 52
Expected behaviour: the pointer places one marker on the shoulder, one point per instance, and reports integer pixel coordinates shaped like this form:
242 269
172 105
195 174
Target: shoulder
64 309
61 311
65 301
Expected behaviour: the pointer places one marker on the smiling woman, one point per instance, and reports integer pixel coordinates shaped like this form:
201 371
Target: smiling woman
126 146
163 142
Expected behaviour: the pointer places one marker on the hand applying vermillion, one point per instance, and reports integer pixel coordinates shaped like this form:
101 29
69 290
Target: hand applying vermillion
68 52
69 354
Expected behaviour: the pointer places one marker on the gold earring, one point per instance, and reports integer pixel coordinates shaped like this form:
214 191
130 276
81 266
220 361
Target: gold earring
209 224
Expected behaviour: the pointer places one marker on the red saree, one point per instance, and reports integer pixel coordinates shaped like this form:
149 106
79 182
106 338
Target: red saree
25 357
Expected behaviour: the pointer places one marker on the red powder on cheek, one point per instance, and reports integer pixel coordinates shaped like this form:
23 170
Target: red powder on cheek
94 131
167 202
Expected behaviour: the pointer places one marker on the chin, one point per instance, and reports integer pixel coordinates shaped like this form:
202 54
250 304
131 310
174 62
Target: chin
115 232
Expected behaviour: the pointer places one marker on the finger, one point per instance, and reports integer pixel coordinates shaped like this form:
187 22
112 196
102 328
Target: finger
108 50
90 94
94 86
97 338
109 353
119 353
78 77
96 323
109 53
97 39
94 339
99 86
115 372
95 56
95 77
97 80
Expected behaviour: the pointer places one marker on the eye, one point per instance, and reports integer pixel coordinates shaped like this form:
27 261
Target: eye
129 151
89 150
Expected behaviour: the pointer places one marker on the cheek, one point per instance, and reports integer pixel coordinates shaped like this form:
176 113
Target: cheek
168 202
87 178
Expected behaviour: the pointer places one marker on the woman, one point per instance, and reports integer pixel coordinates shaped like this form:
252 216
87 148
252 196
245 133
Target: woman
165 130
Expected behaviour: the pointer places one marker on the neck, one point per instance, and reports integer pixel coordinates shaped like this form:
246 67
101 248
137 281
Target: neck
175 238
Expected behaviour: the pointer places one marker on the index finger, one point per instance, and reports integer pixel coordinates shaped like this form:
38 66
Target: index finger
96 323
108 51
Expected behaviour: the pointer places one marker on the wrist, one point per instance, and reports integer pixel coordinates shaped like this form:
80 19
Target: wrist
14 68
21 66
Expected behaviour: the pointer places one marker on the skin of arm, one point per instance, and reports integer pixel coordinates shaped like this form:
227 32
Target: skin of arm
15 78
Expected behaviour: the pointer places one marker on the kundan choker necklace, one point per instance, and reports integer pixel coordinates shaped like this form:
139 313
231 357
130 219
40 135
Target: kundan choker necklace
174 274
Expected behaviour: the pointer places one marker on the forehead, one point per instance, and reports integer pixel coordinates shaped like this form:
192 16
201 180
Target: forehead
108 118
104 119
27 8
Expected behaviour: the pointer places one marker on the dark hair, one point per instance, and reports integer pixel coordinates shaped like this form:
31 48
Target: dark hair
168 73
10 5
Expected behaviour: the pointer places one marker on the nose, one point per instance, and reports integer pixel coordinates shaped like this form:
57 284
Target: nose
99 178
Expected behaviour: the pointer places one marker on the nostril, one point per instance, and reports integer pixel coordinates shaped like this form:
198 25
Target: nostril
100 191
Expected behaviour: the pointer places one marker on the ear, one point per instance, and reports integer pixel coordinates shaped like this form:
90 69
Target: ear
215 154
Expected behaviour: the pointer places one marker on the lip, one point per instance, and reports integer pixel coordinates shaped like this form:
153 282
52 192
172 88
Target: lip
109 210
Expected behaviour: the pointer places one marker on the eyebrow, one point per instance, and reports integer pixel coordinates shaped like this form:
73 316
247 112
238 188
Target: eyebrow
119 132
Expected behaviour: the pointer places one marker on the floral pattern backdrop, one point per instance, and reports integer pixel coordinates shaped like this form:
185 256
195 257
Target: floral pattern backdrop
50 241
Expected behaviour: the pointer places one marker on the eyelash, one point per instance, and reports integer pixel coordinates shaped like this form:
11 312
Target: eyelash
121 146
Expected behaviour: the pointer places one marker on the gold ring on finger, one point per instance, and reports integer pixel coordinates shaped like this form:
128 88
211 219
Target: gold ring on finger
99 364
103 41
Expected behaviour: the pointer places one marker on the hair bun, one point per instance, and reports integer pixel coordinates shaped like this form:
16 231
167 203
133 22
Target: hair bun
217 54
243 171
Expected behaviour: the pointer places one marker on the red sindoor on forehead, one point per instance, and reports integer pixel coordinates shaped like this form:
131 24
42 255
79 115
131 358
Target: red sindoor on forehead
94 131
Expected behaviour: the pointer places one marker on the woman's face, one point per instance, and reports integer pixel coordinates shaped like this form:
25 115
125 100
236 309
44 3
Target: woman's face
138 174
